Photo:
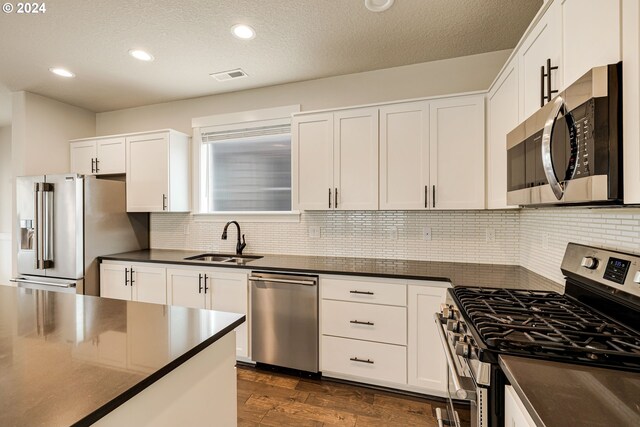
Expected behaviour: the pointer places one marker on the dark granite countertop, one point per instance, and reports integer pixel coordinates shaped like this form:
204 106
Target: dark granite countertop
562 394
70 359
460 274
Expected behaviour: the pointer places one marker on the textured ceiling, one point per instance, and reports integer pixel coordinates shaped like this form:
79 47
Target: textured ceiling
296 40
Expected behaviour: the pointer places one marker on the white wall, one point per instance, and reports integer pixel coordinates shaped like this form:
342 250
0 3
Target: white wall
41 130
469 73
5 204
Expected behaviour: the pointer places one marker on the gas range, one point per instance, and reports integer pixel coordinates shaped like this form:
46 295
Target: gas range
595 322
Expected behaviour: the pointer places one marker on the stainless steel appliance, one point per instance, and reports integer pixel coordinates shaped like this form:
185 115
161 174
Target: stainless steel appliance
284 320
570 151
64 222
595 322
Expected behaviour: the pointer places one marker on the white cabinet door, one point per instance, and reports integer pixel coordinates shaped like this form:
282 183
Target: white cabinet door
631 99
186 288
515 413
355 157
147 172
457 153
114 281
544 42
404 156
110 155
427 363
83 157
149 284
312 154
228 292
502 117
590 36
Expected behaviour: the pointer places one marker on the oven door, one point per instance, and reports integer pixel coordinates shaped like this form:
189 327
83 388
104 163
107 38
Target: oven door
462 389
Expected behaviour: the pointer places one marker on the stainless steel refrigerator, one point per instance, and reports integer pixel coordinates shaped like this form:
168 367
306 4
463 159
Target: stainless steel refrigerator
64 222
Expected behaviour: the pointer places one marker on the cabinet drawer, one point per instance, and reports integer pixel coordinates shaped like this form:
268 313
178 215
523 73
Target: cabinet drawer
383 362
365 321
364 291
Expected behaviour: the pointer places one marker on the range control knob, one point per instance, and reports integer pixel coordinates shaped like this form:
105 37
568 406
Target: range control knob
636 278
448 312
453 325
462 349
589 262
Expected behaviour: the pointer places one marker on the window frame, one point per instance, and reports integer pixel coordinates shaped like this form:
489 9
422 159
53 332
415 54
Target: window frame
230 122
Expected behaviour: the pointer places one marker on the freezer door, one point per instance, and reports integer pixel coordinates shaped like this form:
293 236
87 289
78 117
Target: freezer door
26 224
63 211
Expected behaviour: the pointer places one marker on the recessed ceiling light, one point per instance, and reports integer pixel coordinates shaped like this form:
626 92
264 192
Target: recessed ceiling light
378 5
141 55
61 72
243 31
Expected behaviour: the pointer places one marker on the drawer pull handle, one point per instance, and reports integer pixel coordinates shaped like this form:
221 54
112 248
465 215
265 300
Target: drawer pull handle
355 359
362 292
358 322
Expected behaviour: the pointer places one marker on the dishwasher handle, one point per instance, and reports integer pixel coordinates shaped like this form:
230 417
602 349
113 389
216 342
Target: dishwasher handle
289 281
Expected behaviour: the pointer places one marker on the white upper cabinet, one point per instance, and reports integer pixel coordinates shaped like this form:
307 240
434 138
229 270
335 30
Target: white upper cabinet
590 36
544 42
457 153
157 170
101 156
335 160
404 155
355 159
110 156
502 117
312 152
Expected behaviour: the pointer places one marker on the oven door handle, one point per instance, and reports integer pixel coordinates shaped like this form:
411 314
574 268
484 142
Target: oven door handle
461 392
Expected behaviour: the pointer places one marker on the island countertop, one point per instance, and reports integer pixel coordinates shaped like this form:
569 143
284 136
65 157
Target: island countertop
458 273
560 394
70 359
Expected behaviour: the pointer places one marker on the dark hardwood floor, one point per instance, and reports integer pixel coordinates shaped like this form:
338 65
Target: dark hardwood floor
274 399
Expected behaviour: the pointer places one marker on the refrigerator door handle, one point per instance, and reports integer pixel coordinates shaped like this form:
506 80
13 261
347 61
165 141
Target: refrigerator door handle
43 227
36 226
47 197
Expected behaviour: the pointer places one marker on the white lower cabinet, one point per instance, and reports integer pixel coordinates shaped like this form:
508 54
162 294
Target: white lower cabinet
427 364
133 282
364 359
515 413
215 290
382 331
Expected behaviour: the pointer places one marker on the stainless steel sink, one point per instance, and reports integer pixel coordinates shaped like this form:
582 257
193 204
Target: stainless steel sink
224 258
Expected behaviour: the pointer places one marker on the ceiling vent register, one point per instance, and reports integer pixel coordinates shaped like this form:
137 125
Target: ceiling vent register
229 75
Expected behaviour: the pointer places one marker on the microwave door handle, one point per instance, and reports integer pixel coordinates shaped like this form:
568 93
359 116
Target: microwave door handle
547 136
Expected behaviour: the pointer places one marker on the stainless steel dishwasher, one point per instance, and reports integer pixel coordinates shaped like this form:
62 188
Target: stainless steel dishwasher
284 320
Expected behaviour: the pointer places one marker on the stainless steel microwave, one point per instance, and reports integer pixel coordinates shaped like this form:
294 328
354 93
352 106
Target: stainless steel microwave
570 150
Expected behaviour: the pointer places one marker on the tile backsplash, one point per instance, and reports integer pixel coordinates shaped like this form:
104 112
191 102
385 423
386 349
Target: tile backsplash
533 238
456 235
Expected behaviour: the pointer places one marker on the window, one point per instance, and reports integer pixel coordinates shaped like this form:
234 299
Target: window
246 170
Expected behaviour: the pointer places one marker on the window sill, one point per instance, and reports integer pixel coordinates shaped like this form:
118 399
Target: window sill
293 216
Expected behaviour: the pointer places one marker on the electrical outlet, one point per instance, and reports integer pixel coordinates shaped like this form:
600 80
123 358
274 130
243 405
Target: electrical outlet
545 240
185 229
314 232
393 233
426 233
490 235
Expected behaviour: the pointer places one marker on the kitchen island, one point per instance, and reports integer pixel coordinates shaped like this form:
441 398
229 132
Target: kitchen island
77 360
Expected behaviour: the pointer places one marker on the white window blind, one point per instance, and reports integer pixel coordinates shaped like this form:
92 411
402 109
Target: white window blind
247 169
